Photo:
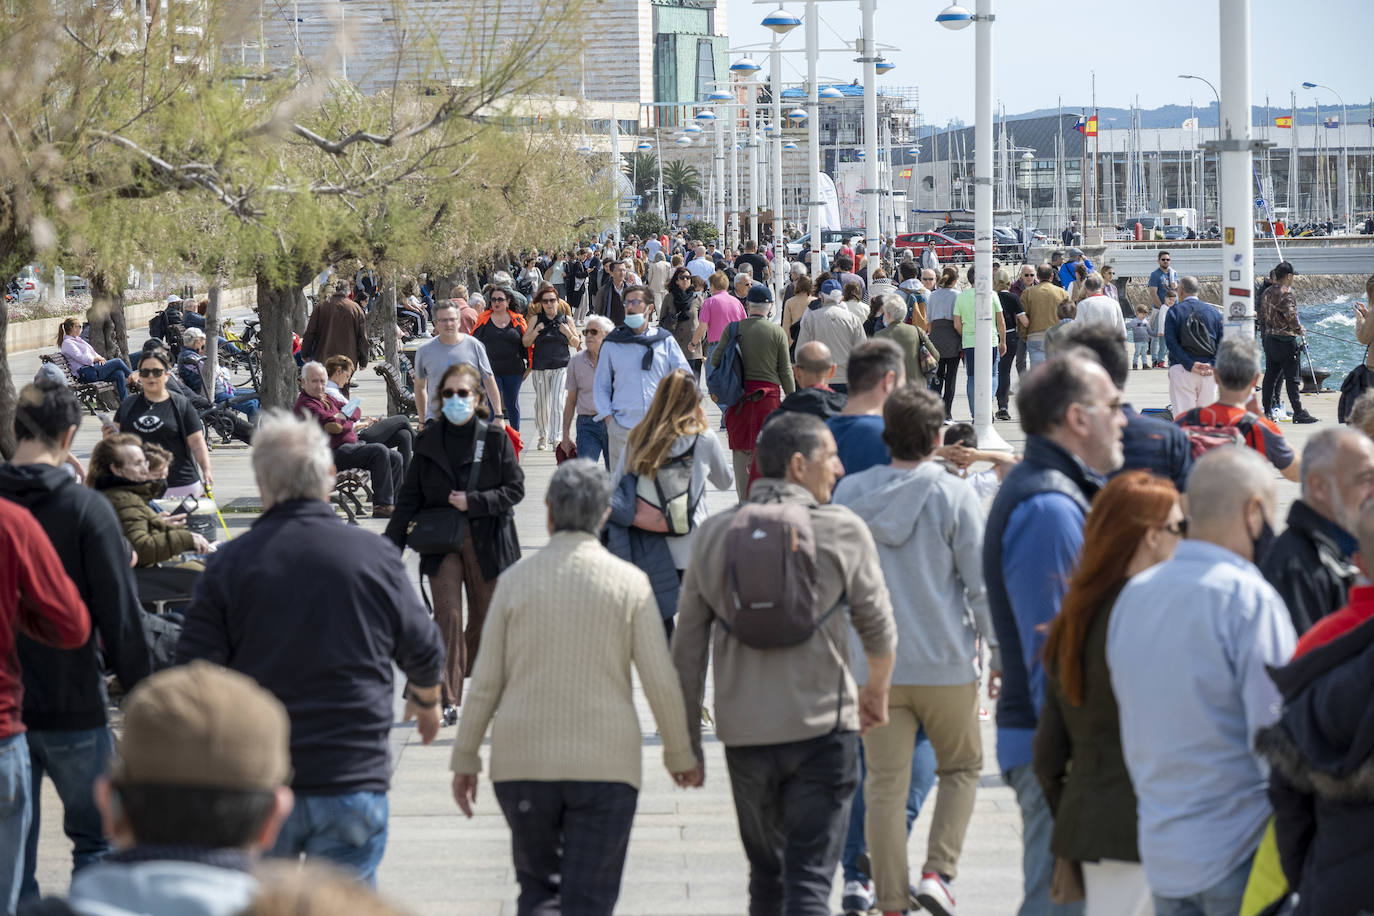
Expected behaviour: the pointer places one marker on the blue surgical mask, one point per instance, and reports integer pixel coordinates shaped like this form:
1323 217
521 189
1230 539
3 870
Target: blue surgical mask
635 321
457 410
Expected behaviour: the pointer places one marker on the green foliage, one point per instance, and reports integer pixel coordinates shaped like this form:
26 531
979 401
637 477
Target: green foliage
646 224
700 229
642 170
682 182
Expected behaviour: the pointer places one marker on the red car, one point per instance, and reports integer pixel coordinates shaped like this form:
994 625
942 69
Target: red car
946 249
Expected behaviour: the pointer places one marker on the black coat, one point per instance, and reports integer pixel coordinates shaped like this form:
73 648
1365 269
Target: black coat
1321 782
1307 568
491 506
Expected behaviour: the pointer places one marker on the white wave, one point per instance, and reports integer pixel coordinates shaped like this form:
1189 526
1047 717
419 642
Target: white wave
1338 320
1342 299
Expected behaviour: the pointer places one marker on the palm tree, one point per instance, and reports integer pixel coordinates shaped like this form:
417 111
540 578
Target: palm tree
682 183
643 171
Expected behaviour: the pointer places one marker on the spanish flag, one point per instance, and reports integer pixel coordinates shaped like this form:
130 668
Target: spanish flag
905 173
1092 127
1285 121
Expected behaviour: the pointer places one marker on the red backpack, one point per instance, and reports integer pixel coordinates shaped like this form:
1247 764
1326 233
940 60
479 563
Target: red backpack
1204 437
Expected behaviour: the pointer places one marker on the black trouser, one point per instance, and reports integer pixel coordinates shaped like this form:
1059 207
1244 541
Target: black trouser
1004 369
1020 355
1282 357
792 801
393 432
946 378
381 463
568 840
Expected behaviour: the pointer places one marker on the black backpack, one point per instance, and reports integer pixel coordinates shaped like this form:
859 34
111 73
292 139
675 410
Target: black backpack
1196 338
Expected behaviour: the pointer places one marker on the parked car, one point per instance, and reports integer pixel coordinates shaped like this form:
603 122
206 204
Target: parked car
946 249
1174 233
831 240
24 287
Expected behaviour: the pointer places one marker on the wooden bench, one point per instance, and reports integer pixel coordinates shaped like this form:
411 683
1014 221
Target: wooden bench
351 489
90 394
395 389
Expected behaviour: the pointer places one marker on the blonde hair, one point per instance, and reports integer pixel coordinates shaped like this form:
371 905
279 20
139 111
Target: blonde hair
675 411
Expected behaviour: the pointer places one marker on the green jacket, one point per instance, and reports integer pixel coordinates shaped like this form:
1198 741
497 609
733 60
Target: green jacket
152 538
763 348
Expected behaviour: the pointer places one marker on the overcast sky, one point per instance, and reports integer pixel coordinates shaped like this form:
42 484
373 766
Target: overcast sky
1043 50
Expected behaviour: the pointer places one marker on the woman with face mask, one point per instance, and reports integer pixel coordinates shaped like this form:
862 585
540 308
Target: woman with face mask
443 483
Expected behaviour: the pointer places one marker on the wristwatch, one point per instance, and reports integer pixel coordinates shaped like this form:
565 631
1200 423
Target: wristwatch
412 698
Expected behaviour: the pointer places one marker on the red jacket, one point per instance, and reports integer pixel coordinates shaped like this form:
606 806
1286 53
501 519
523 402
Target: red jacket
326 413
37 598
1333 626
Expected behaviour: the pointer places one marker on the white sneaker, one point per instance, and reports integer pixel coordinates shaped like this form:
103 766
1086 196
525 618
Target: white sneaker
543 444
858 898
934 896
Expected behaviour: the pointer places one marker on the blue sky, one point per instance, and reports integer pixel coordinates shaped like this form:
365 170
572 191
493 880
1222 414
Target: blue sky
1044 50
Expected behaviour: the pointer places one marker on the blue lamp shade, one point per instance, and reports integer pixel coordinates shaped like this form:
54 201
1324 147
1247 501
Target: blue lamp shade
954 17
584 148
705 116
861 154
745 65
720 95
769 129
691 129
781 21
1309 85
684 141
789 145
829 94
798 114
915 151
644 145
884 65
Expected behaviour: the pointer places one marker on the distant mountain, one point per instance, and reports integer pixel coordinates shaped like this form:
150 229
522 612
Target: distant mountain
1175 115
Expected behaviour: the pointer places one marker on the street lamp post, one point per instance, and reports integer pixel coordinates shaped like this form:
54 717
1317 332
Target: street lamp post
956 17
868 54
1344 177
1235 156
1202 172
813 135
781 22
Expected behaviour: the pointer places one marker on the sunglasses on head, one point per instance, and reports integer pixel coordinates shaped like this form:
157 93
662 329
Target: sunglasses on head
455 392
154 372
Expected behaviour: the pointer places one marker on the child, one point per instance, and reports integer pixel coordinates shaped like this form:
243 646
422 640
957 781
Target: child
159 460
960 450
1139 329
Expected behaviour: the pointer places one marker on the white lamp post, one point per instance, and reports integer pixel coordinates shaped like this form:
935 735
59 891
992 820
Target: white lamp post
1343 179
955 18
781 22
868 55
1235 154
745 67
707 116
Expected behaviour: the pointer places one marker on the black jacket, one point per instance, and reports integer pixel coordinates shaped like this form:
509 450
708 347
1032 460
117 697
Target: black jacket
1307 568
491 506
1148 444
819 402
1321 781
64 690
316 611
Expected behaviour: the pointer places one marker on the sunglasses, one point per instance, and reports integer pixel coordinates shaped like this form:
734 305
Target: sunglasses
155 372
1178 530
455 392
1163 260
591 332
549 299
495 299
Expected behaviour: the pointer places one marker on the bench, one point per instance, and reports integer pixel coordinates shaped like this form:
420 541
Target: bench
90 394
395 389
351 489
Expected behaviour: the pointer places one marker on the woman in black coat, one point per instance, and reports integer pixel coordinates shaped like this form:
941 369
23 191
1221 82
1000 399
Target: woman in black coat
440 477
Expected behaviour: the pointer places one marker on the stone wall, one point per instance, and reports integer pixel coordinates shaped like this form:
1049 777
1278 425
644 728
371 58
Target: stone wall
42 332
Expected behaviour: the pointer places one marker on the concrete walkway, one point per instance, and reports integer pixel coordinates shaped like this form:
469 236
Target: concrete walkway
685 855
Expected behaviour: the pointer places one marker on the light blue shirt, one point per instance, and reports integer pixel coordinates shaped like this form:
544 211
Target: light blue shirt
1187 646
623 388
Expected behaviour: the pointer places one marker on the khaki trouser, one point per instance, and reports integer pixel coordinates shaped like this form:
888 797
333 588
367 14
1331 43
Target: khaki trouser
742 461
950 717
616 438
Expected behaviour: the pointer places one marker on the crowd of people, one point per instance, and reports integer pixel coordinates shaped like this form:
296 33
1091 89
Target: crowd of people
1178 689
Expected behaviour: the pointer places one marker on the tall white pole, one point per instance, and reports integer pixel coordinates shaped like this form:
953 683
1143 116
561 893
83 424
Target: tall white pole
813 136
732 233
719 128
1234 164
779 241
984 323
869 55
752 145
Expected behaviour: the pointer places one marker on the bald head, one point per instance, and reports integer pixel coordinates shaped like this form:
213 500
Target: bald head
814 364
1224 489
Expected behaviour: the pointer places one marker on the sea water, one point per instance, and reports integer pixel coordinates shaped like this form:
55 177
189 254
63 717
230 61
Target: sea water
1331 338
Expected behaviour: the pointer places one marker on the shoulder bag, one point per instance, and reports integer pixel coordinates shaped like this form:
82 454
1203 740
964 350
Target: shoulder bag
442 529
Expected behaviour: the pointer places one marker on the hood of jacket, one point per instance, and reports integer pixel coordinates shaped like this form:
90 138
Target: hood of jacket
890 500
819 402
31 484
165 887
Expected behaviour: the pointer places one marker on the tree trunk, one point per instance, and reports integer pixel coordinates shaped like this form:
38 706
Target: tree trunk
300 307
109 333
211 363
8 398
276 307
381 318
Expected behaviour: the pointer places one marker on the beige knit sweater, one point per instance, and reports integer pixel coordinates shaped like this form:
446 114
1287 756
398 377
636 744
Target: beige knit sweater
563 627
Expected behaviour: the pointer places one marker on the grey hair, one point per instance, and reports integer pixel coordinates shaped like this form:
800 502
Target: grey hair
578 496
744 270
502 278
1320 453
1093 282
601 323
291 458
1188 286
191 335
797 269
477 299
892 306
1238 362
319 366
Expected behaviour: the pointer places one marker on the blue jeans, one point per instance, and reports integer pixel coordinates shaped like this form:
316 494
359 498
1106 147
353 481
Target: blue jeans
968 375
249 408
922 778
1037 862
1160 348
510 397
1141 354
348 830
114 371
15 813
72 760
1035 349
592 440
1221 899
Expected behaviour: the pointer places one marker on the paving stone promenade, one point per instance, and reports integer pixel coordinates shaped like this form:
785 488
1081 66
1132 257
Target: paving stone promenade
685 854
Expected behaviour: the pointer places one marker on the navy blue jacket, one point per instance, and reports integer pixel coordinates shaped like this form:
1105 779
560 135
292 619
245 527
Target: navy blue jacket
1050 476
1173 322
1155 446
316 611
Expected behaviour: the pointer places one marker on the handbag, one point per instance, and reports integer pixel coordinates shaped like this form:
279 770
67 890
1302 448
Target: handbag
442 529
929 356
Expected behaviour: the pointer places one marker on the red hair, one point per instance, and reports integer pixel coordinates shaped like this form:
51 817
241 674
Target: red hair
1123 512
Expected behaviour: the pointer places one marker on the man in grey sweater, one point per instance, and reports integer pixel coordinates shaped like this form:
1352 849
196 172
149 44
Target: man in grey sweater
928 526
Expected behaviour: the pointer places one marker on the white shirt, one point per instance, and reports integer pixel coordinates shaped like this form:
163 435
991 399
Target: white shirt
1104 309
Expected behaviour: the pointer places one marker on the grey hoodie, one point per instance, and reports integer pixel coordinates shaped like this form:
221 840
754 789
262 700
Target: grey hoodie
928 526
162 887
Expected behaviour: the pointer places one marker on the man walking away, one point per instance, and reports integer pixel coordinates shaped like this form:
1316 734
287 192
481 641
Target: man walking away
1311 563
1041 304
876 369
928 525
326 612
1283 343
1192 333
1189 646
790 727
337 327
813 370
1071 414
